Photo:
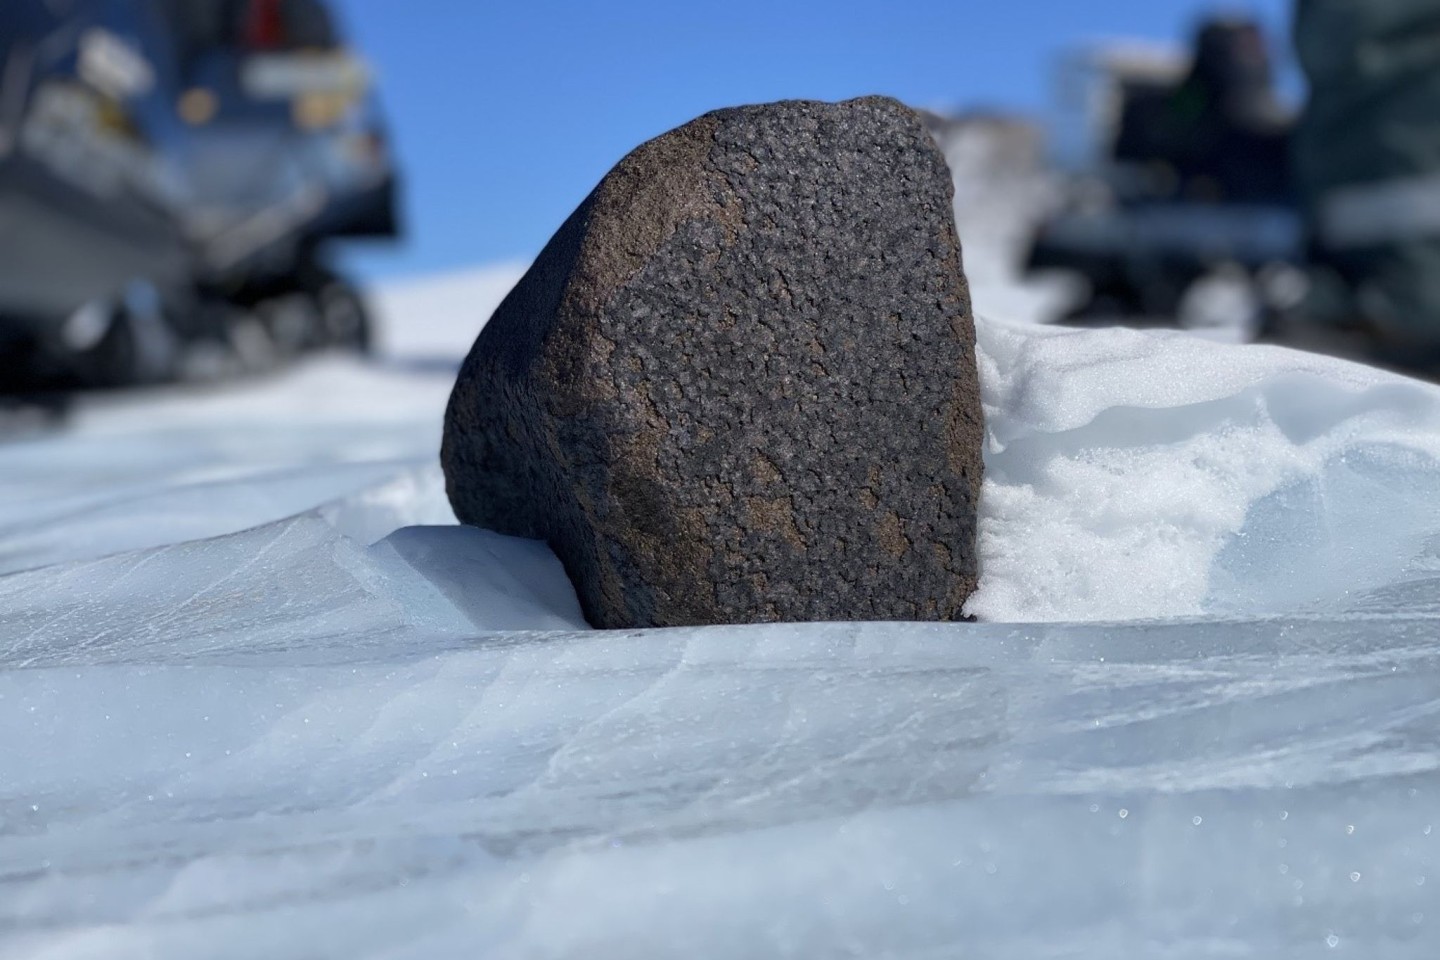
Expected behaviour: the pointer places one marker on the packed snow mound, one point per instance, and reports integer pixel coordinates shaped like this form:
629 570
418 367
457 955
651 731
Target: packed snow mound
1142 474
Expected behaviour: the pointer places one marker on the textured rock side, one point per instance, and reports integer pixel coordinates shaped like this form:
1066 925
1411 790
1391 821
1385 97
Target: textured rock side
739 383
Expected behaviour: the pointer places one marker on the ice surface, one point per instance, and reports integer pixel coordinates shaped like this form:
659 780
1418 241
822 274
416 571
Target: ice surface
258 699
178 466
1180 790
173 465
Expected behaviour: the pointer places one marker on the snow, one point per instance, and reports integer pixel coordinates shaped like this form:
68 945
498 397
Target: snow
1148 475
261 697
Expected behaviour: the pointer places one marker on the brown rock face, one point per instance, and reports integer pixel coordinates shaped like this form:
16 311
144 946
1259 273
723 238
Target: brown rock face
739 384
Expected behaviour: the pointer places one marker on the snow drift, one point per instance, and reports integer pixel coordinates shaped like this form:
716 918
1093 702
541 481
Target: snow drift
1145 475
261 700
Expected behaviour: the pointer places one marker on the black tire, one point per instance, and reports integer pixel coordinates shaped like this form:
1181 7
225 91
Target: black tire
345 318
294 323
310 308
136 349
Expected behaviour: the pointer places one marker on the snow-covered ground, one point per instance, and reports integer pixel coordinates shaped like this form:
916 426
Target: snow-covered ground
259 698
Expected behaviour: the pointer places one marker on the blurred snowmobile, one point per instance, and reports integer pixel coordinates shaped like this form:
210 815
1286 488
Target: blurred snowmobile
1184 210
170 174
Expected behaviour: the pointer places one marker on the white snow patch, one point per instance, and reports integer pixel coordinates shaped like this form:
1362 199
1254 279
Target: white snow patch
440 316
1143 475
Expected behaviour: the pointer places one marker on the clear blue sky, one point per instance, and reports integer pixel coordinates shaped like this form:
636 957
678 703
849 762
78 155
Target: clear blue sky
506 114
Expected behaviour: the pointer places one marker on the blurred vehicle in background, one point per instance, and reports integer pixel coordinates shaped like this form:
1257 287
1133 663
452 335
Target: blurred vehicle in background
171 173
1368 175
1182 208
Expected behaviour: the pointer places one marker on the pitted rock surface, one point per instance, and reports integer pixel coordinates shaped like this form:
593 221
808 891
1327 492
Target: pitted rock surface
739 384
